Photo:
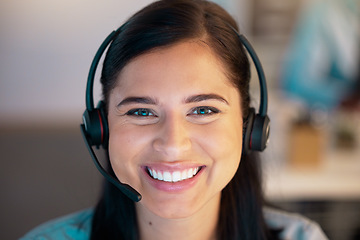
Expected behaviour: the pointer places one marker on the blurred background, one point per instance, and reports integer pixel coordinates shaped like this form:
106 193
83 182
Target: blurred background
310 54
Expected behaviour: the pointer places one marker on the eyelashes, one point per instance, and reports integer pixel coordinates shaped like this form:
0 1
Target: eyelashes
203 111
196 111
141 112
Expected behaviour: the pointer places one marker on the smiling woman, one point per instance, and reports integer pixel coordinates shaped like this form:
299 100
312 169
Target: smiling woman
192 124
176 108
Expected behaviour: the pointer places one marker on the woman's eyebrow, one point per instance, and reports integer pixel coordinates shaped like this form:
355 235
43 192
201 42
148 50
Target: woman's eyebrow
132 100
204 97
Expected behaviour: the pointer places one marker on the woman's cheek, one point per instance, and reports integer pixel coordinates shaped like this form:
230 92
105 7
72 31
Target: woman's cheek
127 148
120 151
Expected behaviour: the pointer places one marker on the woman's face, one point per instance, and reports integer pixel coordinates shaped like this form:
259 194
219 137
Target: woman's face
175 128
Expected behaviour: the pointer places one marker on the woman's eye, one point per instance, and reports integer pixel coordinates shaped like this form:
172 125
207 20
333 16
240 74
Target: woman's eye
141 112
204 111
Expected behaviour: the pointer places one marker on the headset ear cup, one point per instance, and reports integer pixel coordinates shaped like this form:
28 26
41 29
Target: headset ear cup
104 122
248 125
96 126
260 133
93 126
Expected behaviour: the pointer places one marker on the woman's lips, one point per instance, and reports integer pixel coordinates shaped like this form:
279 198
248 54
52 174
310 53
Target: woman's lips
171 180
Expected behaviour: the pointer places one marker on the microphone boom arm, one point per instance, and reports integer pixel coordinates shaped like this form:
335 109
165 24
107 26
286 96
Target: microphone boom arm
124 188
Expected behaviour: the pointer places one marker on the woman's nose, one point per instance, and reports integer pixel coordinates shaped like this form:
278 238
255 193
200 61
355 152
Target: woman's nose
173 137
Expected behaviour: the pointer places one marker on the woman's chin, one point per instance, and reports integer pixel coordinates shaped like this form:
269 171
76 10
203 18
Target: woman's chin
174 208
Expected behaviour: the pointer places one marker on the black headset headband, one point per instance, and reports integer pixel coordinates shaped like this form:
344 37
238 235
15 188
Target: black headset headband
95 129
90 81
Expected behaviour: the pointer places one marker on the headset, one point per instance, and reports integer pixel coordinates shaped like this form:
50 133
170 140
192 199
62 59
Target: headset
96 133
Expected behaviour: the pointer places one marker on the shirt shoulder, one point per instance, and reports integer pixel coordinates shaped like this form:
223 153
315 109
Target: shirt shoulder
294 226
74 226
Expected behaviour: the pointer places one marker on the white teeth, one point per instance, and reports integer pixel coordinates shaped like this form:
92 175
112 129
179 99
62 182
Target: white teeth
173 176
190 173
150 172
184 175
167 177
176 176
160 176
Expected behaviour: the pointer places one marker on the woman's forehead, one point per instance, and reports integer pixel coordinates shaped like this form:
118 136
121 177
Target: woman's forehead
175 74
193 60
